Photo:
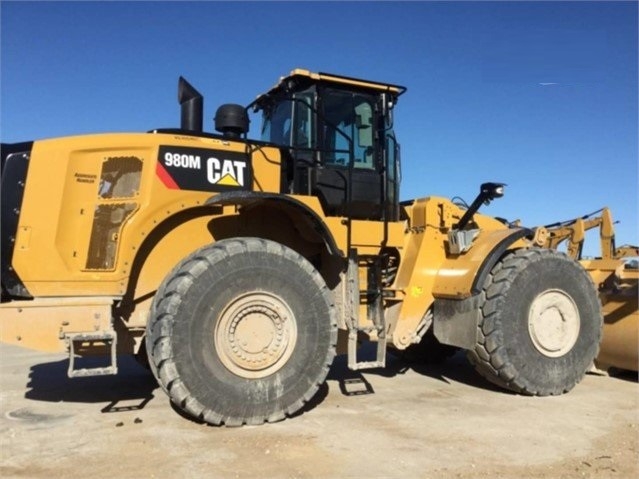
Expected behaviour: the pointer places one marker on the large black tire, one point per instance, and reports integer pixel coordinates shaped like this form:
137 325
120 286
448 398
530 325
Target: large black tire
242 332
540 323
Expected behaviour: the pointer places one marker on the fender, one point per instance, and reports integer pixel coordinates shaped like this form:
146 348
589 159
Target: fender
494 256
249 198
462 276
190 229
455 320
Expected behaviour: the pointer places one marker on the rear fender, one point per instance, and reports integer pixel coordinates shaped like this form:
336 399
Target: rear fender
222 216
292 207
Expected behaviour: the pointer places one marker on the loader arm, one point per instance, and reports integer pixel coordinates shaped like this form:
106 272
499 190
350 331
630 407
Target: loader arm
573 232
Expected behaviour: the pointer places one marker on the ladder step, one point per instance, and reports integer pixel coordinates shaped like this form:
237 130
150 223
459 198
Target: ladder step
366 365
380 353
85 372
106 336
109 338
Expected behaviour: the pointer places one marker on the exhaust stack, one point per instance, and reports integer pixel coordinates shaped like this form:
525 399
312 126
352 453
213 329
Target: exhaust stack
191 106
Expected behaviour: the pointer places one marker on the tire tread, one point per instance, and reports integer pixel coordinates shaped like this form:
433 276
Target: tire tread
490 358
169 298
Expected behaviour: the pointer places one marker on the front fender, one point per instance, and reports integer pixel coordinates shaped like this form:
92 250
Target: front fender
462 276
459 282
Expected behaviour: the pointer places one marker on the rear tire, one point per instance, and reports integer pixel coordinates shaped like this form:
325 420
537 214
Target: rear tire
242 332
540 323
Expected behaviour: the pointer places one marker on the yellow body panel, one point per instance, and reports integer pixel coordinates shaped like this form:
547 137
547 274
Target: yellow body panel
428 270
457 273
65 175
42 323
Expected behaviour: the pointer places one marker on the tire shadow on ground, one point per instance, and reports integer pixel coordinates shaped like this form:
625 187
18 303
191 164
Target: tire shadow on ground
624 375
453 369
131 389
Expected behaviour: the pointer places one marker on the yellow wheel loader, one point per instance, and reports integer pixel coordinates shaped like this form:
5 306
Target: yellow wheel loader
241 267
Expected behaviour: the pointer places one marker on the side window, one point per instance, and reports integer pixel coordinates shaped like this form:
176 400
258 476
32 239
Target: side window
303 120
291 122
277 124
364 157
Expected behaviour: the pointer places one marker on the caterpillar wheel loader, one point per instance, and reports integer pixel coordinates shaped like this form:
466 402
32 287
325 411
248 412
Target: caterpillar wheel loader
241 267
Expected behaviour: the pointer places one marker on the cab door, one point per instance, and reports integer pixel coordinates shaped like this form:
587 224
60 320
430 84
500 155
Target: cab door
349 177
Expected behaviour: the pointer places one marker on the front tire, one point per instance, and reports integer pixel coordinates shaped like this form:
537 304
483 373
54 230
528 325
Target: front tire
242 332
540 324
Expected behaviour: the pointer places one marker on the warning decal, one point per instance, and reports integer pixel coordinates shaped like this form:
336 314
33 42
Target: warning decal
201 169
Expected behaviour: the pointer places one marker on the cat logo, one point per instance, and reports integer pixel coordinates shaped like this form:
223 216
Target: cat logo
225 172
201 169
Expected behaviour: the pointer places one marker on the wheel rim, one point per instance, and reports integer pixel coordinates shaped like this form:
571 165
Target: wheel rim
553 323
256 335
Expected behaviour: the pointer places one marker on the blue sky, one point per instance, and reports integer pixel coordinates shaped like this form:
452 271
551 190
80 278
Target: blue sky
539 95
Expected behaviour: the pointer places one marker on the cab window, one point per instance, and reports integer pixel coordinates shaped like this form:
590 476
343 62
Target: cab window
277 123
347 128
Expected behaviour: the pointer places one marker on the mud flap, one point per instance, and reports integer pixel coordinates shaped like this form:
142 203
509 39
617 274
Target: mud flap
456 320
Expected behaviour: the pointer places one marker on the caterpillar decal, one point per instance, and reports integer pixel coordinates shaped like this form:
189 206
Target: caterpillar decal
201 169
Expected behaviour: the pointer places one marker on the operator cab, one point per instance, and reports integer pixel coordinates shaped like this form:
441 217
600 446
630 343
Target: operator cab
338 142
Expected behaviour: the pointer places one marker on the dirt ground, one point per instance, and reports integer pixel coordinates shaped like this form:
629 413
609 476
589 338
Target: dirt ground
405 421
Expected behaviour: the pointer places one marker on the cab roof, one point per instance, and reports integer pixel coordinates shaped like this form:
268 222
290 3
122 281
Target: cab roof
301 76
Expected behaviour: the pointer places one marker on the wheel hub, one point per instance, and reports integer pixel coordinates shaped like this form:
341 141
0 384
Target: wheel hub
553 323
256 335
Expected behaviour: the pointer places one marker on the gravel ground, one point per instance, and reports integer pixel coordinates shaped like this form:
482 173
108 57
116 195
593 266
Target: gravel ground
434 421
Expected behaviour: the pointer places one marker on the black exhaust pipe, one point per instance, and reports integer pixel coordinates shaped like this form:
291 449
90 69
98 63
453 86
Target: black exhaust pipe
191 106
